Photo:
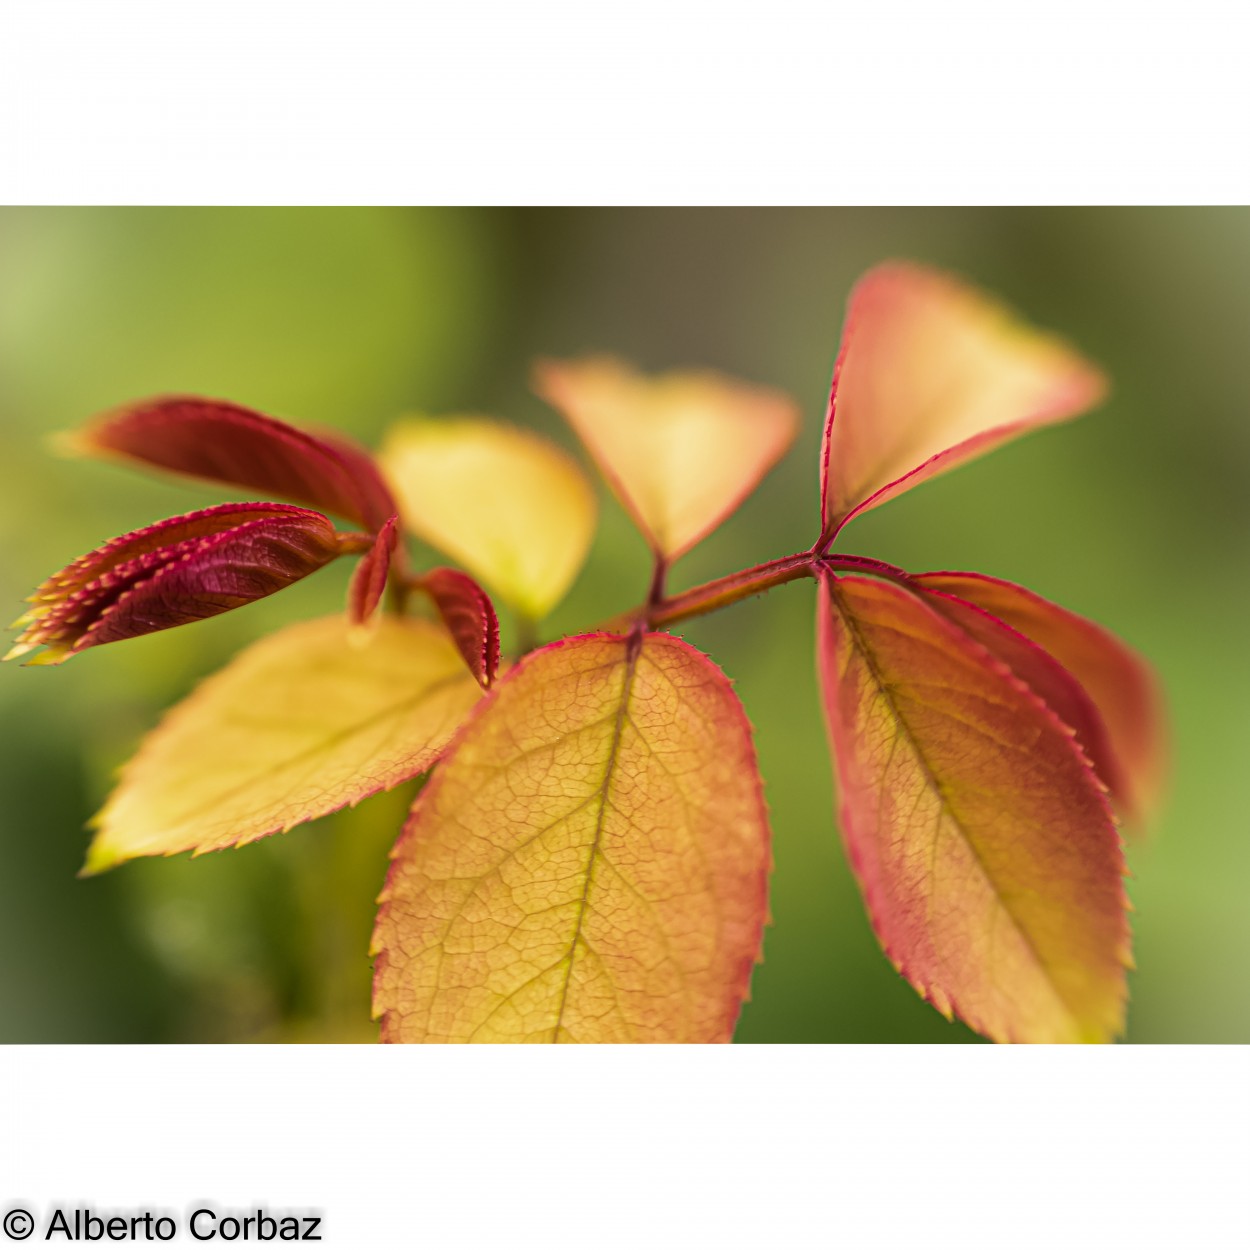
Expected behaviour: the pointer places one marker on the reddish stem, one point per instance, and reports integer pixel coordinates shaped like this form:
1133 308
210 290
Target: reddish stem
353 543
656 594
742 585
727 590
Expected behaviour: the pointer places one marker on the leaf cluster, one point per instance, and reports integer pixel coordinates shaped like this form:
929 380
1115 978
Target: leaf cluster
589 858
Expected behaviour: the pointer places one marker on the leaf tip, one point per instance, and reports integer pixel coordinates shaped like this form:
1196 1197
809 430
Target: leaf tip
70 444
100 858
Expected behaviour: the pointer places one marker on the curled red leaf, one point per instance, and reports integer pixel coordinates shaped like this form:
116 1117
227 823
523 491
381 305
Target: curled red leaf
224 442
177 571
470 618
369 579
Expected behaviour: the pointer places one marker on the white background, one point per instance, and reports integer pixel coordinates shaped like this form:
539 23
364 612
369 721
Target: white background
1028 1148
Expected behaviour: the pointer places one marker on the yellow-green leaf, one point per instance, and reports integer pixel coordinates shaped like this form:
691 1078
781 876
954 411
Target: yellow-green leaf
508 505
588 864
310 719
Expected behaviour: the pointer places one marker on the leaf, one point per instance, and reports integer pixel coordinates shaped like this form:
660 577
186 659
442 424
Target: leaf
590 862
470 619
681 450
1118 681
369 580
508 505
299 725
931 373
178 571
1042 673
223 442
981 838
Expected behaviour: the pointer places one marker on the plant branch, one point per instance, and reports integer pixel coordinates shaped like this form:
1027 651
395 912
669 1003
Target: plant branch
726 590
742 585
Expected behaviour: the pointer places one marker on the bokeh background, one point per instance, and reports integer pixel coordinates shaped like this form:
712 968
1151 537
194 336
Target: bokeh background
1137 515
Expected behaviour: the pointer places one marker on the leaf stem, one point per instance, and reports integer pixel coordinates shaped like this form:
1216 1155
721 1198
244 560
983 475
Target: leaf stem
656 594
726 590
753 581
353 543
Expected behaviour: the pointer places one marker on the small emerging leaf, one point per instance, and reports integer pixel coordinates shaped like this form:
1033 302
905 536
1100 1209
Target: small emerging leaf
223 442
589 863
981 838
931 373
507 504
369 580
304 722
470 619
178 571
681 450
1119 682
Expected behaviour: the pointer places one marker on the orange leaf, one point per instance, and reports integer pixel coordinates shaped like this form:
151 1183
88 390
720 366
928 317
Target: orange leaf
681 451
1116 679
931 373
590 862
982 840
306 721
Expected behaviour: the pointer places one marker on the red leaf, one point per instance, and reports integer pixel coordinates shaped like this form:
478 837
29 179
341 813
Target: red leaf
981 837
369 579
180 570
1115 678
470 618
224 442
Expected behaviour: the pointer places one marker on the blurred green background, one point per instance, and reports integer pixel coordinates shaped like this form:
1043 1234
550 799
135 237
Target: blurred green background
1138 515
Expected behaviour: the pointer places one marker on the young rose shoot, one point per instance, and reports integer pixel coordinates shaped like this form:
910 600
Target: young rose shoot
589 858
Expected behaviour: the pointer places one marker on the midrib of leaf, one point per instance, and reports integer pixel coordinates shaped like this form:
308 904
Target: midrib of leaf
322 744
900 720
633 651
